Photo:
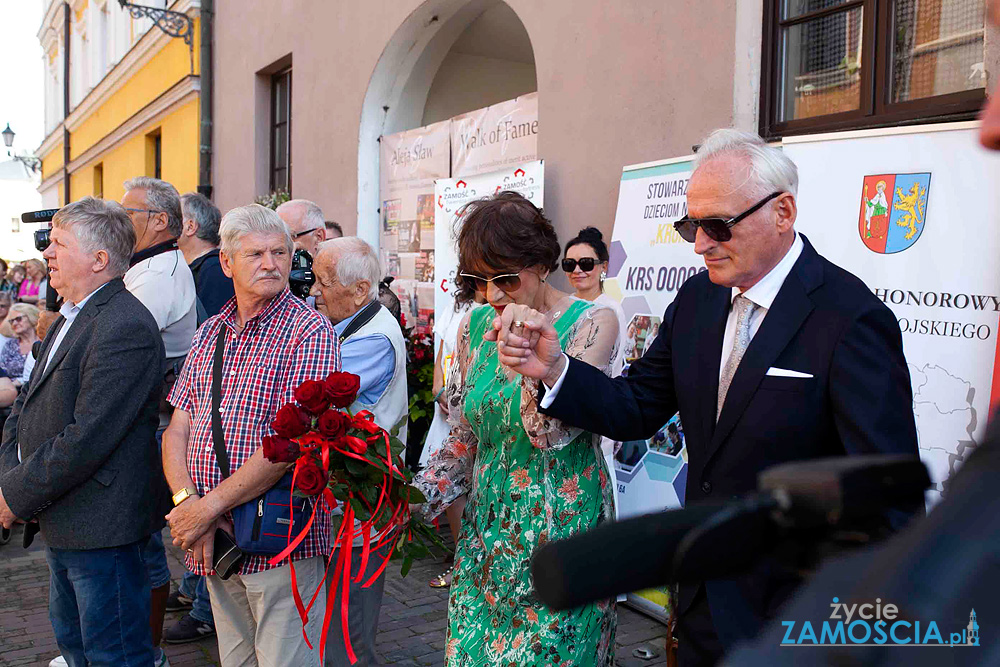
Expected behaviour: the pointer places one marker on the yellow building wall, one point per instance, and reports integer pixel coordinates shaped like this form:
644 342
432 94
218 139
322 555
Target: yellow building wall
171 64
52 161
178 157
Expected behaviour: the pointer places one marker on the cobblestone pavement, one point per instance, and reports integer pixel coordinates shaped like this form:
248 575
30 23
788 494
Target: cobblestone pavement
411 627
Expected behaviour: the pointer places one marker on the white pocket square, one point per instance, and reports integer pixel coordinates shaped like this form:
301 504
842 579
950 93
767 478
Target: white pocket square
774 371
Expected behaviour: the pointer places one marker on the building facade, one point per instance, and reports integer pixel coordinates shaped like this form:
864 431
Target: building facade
306 88
133 100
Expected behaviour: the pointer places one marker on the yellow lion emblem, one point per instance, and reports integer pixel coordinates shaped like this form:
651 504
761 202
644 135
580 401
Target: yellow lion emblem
912 205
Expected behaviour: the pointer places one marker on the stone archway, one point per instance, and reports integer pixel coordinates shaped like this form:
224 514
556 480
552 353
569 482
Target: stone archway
404 77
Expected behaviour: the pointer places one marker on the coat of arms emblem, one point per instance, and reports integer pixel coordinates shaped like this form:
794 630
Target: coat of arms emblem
893 211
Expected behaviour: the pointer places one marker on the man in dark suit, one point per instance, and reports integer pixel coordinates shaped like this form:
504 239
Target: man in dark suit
78 453
773 354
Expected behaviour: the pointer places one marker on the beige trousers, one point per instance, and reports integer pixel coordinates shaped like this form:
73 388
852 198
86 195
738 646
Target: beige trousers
256 619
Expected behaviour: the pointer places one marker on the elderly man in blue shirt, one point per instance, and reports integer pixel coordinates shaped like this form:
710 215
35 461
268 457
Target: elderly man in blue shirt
372 347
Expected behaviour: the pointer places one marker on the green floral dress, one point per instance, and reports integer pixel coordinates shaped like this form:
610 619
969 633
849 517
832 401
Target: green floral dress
530 479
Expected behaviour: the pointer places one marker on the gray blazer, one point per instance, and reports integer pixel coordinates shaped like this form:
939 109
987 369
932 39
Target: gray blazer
91 472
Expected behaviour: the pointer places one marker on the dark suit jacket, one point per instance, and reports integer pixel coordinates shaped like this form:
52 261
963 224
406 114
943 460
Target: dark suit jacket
824 322
91 471
213 287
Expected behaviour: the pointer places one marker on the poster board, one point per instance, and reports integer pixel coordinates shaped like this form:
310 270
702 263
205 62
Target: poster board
411 161
451 194
648 263
913 212
495 137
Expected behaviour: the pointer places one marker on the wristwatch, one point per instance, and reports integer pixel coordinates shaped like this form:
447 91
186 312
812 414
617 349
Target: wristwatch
183 495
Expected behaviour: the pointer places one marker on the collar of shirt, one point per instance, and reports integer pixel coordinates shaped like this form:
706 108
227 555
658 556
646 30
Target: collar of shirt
70 310
766 289
153 251
228 313
339 327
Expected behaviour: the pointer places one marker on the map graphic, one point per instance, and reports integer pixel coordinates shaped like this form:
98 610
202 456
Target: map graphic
946 420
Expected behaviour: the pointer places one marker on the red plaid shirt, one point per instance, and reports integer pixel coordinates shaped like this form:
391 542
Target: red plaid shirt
282 346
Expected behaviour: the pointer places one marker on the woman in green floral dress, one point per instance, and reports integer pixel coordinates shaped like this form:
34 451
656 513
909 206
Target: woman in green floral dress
530 479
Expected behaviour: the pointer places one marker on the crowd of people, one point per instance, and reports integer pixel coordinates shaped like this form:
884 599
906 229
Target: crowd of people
143 404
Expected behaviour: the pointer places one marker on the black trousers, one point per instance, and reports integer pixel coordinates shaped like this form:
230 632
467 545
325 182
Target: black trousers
697 643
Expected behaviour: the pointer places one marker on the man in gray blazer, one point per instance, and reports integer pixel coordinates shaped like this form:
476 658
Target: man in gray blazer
78 453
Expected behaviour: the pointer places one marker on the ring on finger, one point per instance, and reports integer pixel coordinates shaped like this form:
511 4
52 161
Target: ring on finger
517 323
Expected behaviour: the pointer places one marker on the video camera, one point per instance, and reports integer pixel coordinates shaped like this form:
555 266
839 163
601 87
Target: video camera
301 277
803 512
42 239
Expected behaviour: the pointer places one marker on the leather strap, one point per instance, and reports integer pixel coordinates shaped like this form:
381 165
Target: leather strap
363 318
217 438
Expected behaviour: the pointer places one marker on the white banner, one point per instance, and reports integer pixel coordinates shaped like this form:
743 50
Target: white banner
494 138
914 215
451 194
410 163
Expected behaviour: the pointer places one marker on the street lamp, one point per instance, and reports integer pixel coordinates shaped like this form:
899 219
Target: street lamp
29 161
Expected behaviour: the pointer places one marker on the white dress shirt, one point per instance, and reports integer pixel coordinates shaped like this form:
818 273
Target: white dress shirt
762 293
165 285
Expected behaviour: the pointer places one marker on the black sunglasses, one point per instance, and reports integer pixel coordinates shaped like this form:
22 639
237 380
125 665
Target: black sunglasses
586 264
308 231
717 229
508 282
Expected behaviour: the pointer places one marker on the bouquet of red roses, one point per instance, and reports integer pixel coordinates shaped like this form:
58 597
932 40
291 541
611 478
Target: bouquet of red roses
347 460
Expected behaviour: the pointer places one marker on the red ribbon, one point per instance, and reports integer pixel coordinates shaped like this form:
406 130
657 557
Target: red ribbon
341 579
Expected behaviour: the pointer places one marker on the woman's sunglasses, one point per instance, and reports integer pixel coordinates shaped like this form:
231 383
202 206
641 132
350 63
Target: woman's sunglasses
717 229
508 282
585 263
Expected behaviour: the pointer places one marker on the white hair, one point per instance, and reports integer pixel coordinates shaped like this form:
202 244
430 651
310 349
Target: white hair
243 220
770 169
356 260
312 214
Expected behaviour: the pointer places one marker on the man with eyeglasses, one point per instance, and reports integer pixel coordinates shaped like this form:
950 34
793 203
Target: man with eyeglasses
305 222
160 278
772 355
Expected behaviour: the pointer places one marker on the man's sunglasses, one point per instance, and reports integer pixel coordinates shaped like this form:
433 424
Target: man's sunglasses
308 231
585 263
508 282
717 229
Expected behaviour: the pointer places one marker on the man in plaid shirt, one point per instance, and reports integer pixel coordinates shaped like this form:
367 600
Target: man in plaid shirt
273 343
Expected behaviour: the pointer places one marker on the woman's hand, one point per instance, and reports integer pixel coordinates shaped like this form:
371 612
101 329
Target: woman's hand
527 343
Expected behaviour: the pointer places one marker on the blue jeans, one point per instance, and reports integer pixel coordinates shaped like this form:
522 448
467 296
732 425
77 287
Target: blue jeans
195 587
99 606
155 556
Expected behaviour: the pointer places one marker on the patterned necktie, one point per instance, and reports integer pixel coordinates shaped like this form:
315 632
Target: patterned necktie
745 309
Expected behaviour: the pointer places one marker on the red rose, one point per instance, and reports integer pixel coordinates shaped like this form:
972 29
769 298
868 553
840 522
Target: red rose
311 395
342 388
309 477
349 443
280 450
332 423
291 421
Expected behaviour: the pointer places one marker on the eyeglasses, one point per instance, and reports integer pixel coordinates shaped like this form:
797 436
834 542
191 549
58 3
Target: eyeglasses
308 231
508 282
717 229
147 211
15 320
586 264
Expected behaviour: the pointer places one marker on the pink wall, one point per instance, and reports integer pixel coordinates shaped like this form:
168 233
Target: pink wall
619 82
